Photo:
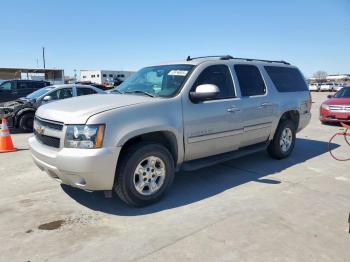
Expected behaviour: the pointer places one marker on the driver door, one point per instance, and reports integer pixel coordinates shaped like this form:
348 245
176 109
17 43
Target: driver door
213 127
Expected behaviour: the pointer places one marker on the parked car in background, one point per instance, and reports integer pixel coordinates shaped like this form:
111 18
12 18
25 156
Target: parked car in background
314 87
20 113
337 107
13 89
327 87
184 115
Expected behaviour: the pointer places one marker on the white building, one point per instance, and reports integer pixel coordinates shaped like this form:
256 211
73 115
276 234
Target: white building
338 77
103 76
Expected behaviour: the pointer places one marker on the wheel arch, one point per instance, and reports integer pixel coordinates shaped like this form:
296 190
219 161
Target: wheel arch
291 114
164 137
21 113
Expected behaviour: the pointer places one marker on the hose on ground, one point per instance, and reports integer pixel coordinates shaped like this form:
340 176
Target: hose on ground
345 134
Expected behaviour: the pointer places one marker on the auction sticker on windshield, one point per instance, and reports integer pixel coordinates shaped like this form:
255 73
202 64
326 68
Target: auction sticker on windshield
178 73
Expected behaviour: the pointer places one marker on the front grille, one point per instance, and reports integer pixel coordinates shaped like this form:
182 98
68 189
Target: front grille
50 124
48 140
339 108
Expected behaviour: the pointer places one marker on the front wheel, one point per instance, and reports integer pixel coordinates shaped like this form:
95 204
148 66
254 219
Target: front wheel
144 173
26 122
283 141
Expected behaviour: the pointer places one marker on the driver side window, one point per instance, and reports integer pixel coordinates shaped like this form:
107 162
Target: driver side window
7 86
220 76
62 94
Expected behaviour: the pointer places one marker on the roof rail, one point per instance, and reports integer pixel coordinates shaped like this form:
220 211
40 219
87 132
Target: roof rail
221 57
262 60
228 57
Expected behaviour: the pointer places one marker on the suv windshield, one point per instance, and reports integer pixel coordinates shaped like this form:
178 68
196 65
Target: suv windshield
39 92
162 81
343 93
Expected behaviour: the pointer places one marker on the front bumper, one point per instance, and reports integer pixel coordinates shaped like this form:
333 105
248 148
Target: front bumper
88 169
329 116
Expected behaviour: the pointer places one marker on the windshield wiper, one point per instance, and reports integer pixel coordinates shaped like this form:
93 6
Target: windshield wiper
139 92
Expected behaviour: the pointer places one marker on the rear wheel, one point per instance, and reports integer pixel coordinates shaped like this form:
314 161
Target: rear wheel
144 173
26 122
283 141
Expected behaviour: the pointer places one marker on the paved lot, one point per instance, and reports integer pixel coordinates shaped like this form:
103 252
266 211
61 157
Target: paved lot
250 209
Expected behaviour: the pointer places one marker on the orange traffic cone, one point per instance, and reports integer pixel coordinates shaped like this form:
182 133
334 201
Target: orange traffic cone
6 144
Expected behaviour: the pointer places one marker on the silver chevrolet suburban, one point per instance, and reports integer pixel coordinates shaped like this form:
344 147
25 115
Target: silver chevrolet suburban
182 115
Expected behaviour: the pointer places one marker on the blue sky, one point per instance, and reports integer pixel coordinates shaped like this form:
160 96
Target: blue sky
314 35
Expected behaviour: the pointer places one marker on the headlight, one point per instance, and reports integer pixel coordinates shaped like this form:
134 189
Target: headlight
325 106
84 136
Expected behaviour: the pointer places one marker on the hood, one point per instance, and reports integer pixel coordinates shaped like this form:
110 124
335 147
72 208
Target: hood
13 103
338 101
77 110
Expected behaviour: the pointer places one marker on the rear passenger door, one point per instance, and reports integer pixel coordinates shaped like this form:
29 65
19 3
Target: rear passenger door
257 107
23 88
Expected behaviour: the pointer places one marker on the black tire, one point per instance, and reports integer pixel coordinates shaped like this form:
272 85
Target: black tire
324 122
274 149
124 183
26 122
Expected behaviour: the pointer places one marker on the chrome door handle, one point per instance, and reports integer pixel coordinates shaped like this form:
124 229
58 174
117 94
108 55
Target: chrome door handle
233 109
263 105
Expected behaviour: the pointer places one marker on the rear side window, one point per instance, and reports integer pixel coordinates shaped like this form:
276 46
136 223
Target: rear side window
220 76
250 80
22 85
82 91
286 79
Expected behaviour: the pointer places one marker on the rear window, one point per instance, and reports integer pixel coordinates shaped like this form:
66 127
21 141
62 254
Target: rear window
286 79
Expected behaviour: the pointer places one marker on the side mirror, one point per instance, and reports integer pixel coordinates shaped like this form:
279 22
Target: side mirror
329 96
204 92
47 98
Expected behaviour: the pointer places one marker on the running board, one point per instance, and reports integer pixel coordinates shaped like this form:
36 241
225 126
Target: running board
212 160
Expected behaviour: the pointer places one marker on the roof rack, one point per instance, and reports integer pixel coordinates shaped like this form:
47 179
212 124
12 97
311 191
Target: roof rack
221 57
228 57
262 60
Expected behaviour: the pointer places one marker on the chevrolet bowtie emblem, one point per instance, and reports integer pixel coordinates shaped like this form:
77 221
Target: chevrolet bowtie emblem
40 130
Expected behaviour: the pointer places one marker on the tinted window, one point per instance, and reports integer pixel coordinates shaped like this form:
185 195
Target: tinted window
343 93
220 76
104 75
110 75
286 79
250 80
82 91
39 84
22 85
61 93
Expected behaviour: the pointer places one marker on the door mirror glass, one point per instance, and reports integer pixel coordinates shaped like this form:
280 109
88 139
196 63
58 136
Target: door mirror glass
204 92
47 98
329 96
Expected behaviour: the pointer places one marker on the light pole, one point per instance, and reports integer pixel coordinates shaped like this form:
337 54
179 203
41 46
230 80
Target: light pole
44 57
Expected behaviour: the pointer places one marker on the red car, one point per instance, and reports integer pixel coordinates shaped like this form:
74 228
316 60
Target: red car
337 107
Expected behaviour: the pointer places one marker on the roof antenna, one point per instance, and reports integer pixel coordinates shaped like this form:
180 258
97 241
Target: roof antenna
188 58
